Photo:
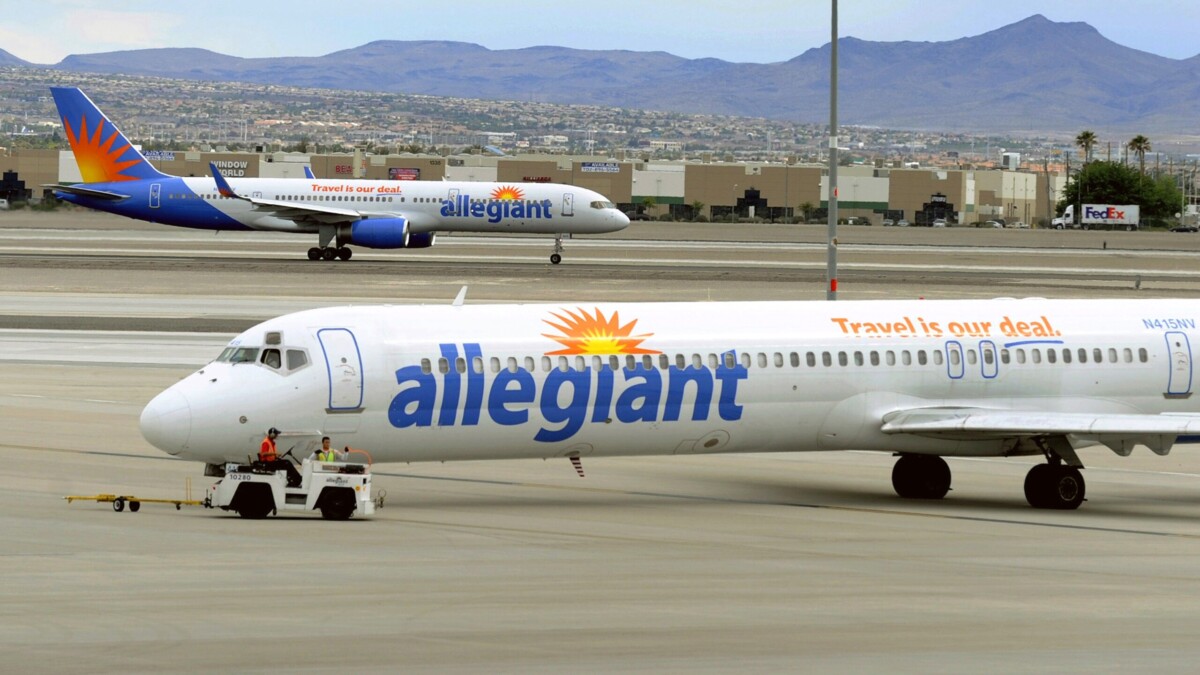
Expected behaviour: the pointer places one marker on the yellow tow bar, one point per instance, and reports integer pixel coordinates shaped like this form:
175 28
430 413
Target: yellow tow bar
135 503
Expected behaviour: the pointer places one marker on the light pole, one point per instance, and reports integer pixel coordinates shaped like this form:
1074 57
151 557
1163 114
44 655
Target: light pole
831 247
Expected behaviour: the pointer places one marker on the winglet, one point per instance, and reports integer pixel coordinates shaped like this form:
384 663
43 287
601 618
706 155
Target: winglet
460 298
222 184
308 172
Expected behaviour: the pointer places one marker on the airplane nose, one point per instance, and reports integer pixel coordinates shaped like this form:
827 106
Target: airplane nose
167 422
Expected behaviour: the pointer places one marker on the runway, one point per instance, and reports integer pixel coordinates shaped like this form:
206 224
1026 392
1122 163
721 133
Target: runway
754 563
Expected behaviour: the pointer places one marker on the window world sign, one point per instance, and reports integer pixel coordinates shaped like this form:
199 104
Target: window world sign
600 167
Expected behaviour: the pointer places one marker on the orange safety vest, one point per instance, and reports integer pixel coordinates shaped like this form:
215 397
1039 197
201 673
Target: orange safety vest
267 452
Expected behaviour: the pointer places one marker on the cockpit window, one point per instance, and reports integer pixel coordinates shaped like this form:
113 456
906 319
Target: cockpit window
271 358
603 205
239 355
296 359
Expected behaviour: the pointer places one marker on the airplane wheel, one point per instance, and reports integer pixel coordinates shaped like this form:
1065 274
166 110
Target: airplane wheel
118 505
921 477
314 253
329 253
134 506
1055 487
555 258
344 253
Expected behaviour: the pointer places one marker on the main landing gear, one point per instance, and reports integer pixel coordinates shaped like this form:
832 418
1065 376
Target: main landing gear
556 256
329 253
1057 484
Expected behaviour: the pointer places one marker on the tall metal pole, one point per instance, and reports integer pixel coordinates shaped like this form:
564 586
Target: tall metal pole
831 272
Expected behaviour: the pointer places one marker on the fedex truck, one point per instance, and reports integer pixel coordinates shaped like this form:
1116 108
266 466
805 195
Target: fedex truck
1100 216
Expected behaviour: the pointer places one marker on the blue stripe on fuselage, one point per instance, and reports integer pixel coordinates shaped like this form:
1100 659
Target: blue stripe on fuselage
178 205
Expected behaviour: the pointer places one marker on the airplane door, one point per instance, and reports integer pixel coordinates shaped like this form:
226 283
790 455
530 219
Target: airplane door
954 360
453 197
1179 380
343 364
988 363
568 206
155 195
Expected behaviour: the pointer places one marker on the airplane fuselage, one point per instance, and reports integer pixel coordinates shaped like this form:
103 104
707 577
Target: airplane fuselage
437 383
428 206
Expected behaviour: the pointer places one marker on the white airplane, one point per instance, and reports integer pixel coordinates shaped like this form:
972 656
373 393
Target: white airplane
382 214
922 379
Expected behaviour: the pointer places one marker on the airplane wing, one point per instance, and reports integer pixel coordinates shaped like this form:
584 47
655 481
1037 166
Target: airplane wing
296 211
87 192
1120 432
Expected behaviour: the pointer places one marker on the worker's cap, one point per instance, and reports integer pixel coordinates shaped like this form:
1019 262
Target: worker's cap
272 431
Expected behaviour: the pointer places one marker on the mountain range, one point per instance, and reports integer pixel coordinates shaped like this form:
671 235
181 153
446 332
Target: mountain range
1034 75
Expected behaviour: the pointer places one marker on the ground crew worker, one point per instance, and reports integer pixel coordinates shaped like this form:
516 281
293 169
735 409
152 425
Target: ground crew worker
326 453
269 458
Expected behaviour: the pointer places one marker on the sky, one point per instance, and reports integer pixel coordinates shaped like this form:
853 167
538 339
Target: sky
758 31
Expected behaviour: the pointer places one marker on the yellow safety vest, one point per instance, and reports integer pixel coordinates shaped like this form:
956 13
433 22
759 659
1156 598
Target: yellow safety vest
323 456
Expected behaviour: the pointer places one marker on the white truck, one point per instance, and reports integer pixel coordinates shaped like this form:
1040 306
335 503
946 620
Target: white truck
1097 216
338 490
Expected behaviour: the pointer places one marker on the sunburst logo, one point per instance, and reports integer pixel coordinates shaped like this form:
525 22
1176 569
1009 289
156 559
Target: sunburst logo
508 193
584 333
98 161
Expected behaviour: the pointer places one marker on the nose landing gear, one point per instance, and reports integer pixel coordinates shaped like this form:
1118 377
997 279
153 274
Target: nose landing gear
556 256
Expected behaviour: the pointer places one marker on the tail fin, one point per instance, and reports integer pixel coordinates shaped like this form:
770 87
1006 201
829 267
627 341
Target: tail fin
102 152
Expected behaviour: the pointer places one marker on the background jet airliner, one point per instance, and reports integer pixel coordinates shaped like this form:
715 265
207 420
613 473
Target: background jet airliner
924 380
370 213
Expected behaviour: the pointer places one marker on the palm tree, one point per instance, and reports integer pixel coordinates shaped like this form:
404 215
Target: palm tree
1086 140
1140 145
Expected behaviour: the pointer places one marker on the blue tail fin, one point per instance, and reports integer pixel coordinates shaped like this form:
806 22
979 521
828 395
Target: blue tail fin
102 152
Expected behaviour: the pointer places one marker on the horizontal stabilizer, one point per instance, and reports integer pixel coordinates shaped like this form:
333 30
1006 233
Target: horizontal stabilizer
87 192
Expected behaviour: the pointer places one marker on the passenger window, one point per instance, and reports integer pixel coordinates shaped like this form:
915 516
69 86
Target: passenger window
906 358
1066 355
795 360
955 357
778 360
648 362
971 357
1004 356
762 360
989 357
680 361
296 359
443 365
1051 355
729 360
746 360
545 364
271 358
477 365
1020 356
426 367
614 362
1142 355
1082 355
891 358
697 361
874 358
811 359
630 362
1112 355
921 358
597 363
858 358
580 364
826 359
460 365
1036 355
529 363
563 366
495 364
712 361
512 364
937 358
843 360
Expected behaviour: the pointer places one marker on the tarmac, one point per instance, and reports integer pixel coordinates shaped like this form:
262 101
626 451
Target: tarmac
754 563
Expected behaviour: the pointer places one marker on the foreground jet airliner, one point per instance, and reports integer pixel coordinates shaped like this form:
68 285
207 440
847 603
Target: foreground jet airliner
924 380
371 213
